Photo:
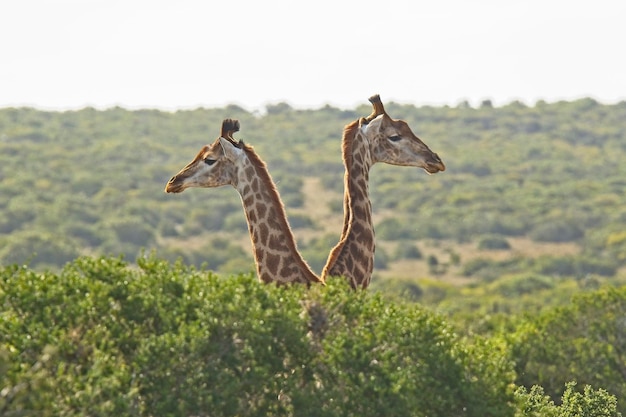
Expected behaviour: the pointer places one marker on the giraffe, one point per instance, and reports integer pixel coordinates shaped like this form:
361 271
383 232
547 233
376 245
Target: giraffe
227 161
376 138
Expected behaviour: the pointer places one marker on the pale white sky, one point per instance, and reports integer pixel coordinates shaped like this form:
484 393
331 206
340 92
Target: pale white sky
180 54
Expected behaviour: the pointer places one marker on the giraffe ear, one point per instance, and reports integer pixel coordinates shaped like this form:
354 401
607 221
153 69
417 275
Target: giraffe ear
230 151
377 126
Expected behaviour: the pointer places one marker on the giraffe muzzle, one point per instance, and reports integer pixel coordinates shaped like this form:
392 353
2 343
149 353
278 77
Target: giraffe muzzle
435 165
174 186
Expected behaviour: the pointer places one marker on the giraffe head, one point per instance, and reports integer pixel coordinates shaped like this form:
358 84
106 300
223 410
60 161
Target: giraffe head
215 164
392 141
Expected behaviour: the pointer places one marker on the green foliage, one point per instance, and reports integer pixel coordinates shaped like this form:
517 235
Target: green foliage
556 231
574 266
300 221
517 285
100 336
584 341
105 338
590 403
316 251
493 243
551 172
407 250
394 229
403 289
219 254
37 249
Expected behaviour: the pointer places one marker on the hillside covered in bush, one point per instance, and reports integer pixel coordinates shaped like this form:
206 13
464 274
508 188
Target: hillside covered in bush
530 210
498 286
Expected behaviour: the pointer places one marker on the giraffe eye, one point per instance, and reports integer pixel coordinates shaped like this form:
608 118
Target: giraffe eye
395 138
209 161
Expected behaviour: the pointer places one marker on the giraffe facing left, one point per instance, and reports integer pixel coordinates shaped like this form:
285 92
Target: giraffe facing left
230 162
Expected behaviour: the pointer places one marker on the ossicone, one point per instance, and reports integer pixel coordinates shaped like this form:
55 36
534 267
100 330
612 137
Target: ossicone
377 108
230 126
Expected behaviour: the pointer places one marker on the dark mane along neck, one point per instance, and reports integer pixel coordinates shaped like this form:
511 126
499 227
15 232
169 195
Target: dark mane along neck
347 144
279 220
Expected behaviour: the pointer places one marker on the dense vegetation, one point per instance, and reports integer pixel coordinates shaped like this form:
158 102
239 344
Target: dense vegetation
498 283
104 338
532 203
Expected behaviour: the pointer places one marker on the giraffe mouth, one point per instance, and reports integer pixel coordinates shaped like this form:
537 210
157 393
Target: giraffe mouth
433 169
174 186
435 165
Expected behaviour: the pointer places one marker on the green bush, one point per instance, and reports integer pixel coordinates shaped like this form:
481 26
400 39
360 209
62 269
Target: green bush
493 243
556 231
394 229
88 235
589 403
132 230
315 252
582 342
37 250
300 221
104 337
406 250
574 266
517 285
407 290
476 266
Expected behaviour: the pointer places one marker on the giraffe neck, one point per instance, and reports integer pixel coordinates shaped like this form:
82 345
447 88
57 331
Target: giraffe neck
276 256
353 257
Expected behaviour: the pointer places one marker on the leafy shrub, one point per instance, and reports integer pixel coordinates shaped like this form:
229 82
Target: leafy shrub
293 200
606 267
86 234
315 252
574 266
89 186
580 342
202 219
431 231
406 250
133 231
103 337
616 239
300 221
17 216
523 284
290 188
7 225
556 231
616 243
235 222
476 265
556 265
477 169
216 252
167 229
404 289
493 243
590 403
37 250
381 259
490 270
393 229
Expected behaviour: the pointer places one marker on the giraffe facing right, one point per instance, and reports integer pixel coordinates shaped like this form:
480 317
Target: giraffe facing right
376 138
